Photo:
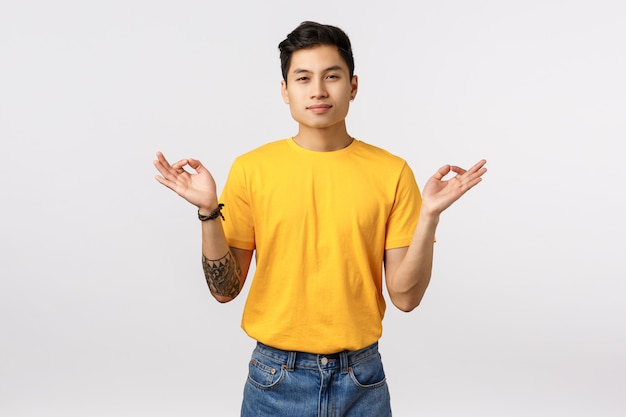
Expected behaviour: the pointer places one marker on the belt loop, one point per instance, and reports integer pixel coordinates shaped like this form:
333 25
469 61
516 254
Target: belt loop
343 361
291 361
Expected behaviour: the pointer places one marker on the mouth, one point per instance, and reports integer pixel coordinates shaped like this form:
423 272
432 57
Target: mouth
319 108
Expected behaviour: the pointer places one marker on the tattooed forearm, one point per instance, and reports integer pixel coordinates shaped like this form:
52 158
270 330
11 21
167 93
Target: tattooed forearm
222 275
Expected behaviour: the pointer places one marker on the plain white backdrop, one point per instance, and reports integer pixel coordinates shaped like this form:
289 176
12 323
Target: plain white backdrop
103 306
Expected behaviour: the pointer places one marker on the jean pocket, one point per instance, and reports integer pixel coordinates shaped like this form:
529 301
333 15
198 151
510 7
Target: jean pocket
264 375
368 374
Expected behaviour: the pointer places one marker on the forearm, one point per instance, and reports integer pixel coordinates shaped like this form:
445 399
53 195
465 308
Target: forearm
410 279
408 273
221 268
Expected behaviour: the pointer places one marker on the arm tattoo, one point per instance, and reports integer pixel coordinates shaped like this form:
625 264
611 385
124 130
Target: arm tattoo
222 275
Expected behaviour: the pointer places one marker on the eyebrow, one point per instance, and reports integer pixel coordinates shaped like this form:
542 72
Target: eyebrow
302 70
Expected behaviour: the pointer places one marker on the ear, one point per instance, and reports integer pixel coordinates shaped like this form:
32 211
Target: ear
354 88
283 91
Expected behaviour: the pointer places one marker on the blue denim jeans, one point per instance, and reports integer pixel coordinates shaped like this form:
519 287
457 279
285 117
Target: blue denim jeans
294 384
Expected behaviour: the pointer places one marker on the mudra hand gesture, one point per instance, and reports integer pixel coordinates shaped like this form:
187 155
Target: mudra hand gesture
199 188
439 194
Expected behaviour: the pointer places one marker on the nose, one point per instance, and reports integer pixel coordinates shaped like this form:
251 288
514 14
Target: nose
318 89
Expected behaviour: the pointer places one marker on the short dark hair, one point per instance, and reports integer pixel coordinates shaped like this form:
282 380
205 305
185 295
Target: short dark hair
310 34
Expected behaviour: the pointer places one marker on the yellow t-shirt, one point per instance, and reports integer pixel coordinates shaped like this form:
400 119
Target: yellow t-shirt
320 223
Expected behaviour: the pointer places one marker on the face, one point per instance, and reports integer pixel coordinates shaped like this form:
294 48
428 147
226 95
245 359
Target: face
319 88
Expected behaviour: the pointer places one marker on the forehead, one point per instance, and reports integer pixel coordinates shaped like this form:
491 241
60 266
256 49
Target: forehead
317 59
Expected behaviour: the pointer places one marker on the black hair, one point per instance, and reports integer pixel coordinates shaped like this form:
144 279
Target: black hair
310 34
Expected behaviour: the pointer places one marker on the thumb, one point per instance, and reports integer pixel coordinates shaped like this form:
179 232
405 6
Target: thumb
442 172
196 165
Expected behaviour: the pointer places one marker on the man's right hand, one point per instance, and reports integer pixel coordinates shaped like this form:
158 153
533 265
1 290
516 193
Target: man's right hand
199 188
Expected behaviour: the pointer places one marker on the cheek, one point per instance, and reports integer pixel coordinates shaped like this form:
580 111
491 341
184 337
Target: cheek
293 95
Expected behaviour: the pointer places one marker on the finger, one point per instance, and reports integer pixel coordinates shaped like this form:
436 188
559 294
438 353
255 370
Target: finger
161 164
442 172
196 165
162 160
457 170
477 169
478 165
472 178
170 172
163 168
468 185
178 166
163 181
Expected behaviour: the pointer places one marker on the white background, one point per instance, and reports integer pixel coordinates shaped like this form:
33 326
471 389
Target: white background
103 306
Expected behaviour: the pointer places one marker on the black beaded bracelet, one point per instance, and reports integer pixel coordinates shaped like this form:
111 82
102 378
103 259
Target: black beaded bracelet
213 215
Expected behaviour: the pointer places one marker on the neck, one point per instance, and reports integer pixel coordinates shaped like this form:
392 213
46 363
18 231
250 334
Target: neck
323 140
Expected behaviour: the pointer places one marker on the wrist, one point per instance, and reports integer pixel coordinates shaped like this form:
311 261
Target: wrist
213 215
207 210
429 216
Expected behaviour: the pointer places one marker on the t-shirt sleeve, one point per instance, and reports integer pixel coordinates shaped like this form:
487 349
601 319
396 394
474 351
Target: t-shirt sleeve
405 211
239 220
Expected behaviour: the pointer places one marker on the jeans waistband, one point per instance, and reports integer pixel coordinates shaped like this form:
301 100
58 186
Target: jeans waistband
294 359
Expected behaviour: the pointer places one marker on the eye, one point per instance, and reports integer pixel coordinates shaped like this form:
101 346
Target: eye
333 76
302 79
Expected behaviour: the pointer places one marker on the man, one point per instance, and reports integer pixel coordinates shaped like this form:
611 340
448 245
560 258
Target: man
325 213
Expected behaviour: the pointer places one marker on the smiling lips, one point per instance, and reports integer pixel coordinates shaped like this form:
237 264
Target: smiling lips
319 108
